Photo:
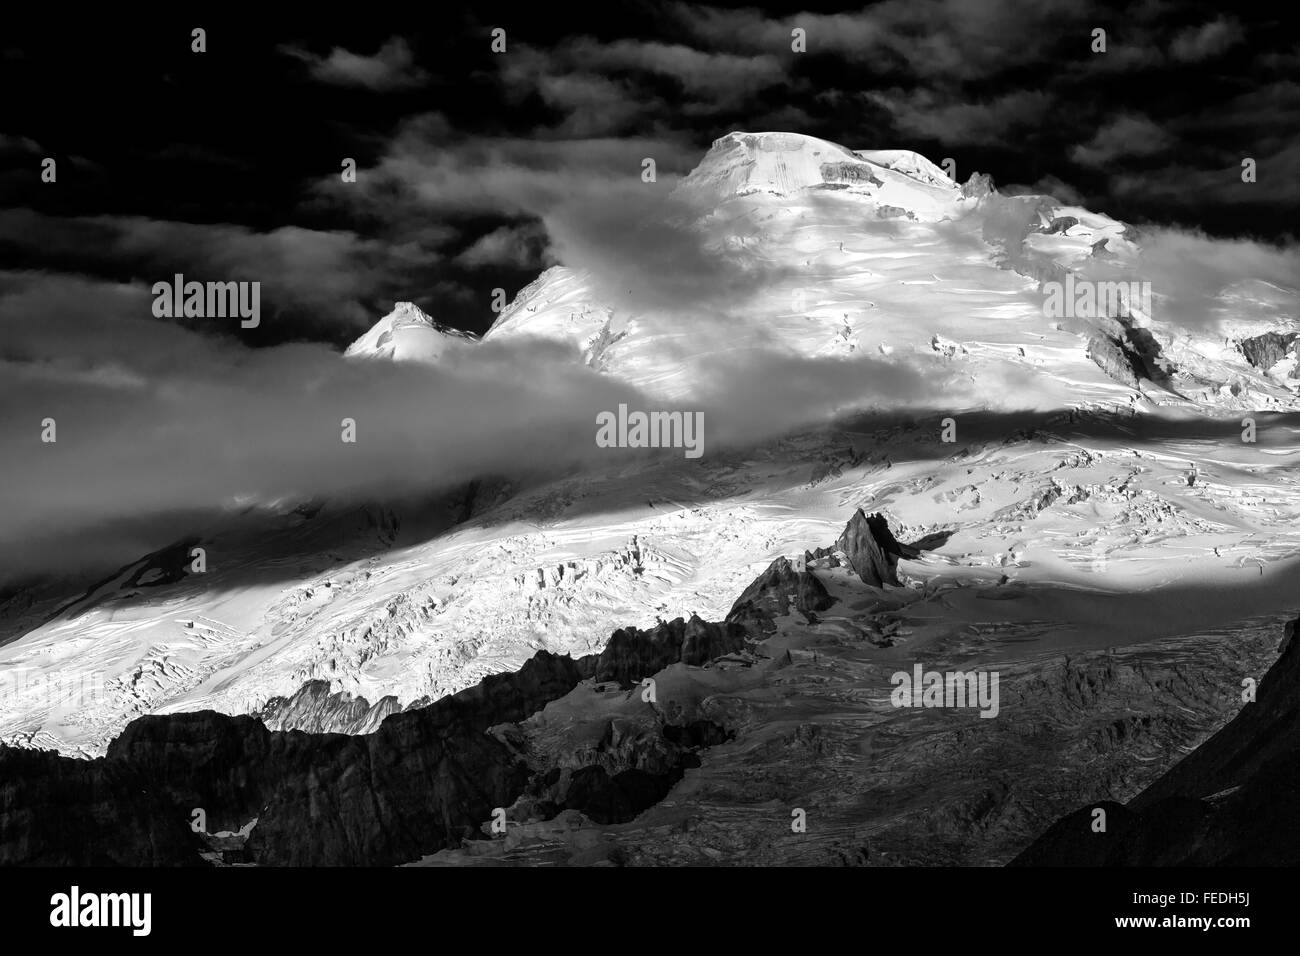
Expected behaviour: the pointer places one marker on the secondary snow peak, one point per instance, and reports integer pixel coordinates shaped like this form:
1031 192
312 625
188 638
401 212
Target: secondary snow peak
407 333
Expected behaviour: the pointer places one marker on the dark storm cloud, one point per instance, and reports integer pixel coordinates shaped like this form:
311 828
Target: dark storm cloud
1258 124
1019 85
18 144
723 80
1126 135
324 276
523 247
604 86
593 105
430 167
956 121
1208 40
391 68
633 237
1188 188
929 39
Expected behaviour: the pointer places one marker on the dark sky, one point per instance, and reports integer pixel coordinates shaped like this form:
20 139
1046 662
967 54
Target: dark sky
227 162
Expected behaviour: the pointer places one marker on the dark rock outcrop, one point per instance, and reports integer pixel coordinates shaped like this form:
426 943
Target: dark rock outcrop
817 554
1031 266
424 780
315 709
871 549
1235 800
780 586
1265 351
1059 225
628 772
616 799
705 641
893 212
849 172
1129 353
1112 358
633 654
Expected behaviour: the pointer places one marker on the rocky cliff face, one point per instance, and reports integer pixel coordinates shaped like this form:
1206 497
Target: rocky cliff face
313 708
423 780
871 549
779 588
1059 225
1265 351
1233 801
1128 353
633 654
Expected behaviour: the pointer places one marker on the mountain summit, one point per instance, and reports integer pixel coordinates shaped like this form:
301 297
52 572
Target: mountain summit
783 164
407 334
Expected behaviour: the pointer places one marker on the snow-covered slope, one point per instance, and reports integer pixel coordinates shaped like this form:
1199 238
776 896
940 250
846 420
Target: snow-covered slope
871 253
407 334
877 251
785 164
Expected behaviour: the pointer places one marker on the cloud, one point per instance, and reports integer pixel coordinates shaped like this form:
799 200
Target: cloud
1135 51
392 68
1127 135
1208 178
594 105
155 419
1193 276
429 167
1052 186
603 87
724 79
1182 186
1195 44
956 40
640 250
317 280
161 430
519 247
957 122
588 194
18 144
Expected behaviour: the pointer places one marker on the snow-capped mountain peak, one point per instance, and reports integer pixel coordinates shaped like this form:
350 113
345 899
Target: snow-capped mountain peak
407 334
783 164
